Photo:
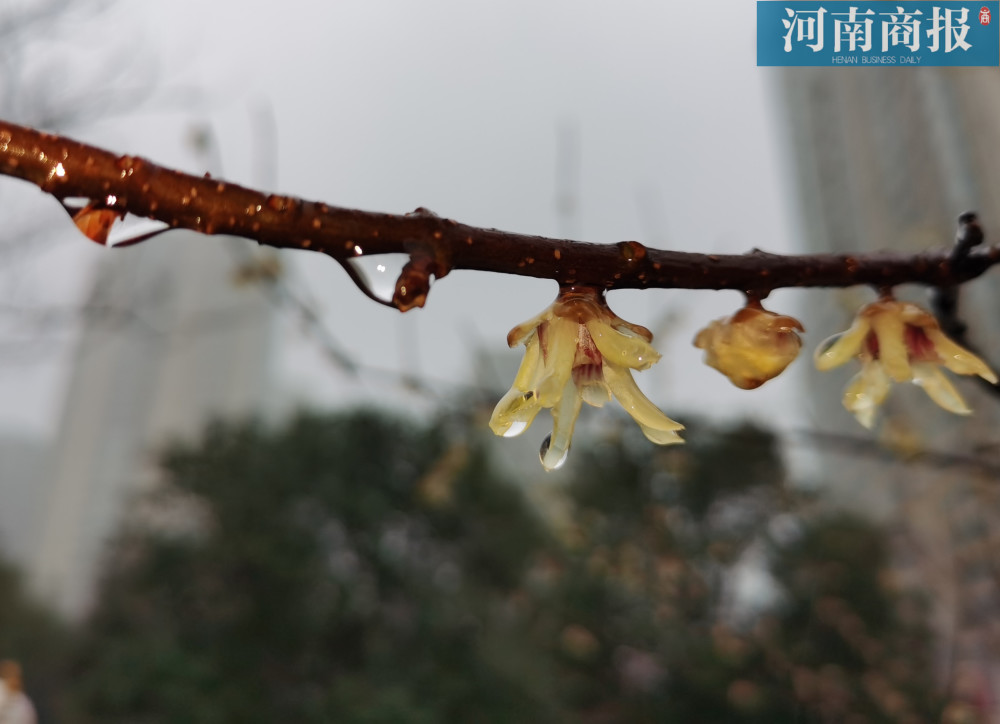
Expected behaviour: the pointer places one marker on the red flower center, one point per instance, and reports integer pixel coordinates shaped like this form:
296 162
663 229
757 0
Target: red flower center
919 347
588 364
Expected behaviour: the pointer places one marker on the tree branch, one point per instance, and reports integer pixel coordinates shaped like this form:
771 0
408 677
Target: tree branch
127 184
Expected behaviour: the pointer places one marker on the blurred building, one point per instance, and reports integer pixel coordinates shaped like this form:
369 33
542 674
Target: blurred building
887 158
21 460
169 342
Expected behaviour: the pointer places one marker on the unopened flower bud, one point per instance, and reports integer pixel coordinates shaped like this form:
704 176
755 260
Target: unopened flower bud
752 346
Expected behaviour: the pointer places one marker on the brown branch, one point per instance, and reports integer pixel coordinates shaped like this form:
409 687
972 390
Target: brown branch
65 168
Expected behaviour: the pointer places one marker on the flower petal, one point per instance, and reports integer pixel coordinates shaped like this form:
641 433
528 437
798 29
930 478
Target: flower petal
595 394
866 391
516 410
656 426
560 338
889 328
628 328
527 373
838 349
521 331
563 421
627 350
929 376
956 358
514 413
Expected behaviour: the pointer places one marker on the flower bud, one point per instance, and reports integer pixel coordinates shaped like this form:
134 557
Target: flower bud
752 346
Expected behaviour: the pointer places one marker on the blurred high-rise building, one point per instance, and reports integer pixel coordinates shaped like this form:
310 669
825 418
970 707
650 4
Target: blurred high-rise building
169 342
21 460
888 158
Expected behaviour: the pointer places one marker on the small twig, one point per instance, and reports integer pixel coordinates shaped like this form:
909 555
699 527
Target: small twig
945 299
128 184
864 446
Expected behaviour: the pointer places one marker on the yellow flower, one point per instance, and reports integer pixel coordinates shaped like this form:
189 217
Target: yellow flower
752 346
579 351
898 341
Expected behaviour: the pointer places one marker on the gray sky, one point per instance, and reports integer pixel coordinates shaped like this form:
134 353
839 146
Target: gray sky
455 106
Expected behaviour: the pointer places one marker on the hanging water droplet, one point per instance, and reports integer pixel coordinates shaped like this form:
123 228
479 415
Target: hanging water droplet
544 451
379 272
95 223
75 203
516 428
134 229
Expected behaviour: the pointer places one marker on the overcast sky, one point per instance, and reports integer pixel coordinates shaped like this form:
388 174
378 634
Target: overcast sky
457 106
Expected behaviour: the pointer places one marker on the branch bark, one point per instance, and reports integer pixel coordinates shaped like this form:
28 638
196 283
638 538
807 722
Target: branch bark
128 184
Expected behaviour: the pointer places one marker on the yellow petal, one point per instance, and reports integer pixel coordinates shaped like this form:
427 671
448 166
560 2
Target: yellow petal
838 349
929 376
517 409
661 437
514 413
559 338
866 391
656 426
956 358
628 328
625 349
892 352
595 394
521 331
563 421
529 369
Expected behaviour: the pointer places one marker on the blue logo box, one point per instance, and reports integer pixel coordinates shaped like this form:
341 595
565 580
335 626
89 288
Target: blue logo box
919 32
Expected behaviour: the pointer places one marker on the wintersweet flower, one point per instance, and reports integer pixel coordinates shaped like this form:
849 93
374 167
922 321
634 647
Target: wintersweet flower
752 346
579 351
898 342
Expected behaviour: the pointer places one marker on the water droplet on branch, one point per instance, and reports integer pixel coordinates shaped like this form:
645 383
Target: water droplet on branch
379 272
133 230
109 227
631 251
96 223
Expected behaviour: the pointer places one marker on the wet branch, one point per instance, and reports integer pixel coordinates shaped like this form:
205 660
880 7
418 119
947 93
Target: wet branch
127 184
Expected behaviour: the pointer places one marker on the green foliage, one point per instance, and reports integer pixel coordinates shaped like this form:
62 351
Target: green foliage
657 543
327 579
31 635
358 568
857 646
